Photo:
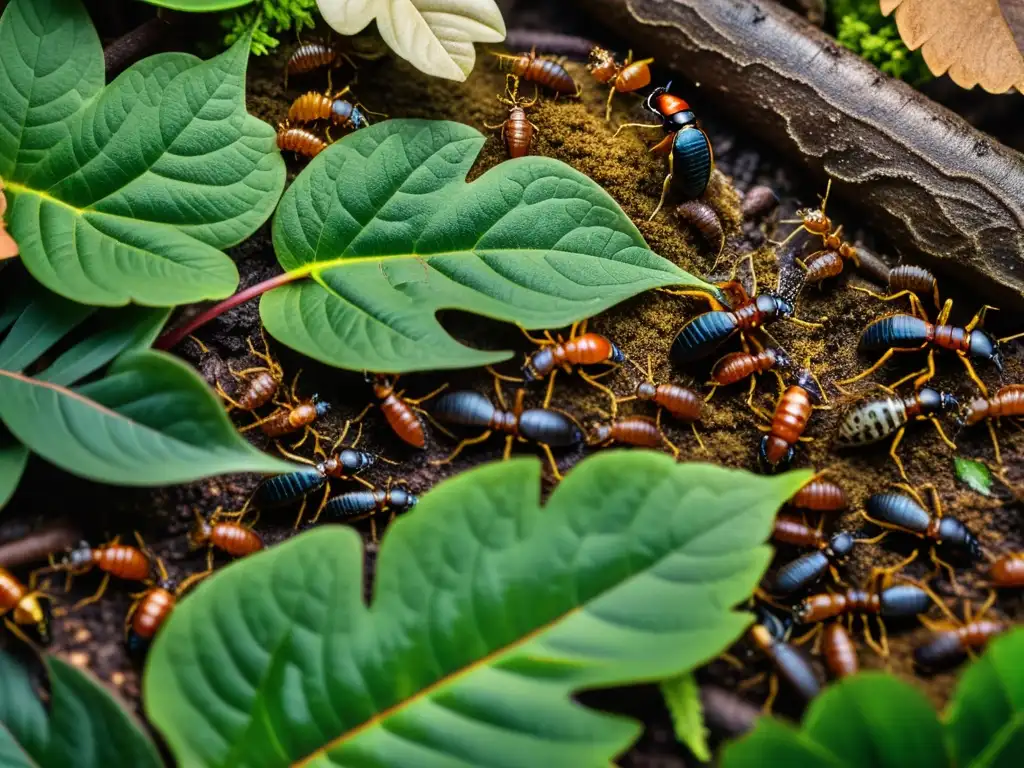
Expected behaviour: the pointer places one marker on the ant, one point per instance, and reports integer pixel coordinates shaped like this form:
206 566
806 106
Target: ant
399 411
113 558
624 78
260 383
545 426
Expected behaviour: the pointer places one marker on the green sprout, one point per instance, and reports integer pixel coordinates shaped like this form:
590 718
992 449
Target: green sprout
861 27
268 18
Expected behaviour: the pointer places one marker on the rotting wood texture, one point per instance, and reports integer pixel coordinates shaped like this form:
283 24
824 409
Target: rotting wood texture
935 185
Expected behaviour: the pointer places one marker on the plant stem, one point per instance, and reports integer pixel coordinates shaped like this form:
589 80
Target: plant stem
170 339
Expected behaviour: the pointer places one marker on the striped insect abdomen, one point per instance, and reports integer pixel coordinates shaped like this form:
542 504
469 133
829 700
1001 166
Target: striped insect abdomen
691 167
702 335
895 331
872 421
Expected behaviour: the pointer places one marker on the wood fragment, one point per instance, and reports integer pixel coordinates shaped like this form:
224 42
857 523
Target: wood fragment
924 177
36 546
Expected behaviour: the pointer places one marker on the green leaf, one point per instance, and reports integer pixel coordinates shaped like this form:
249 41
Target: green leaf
388 232
13 458
199 6
489 611
974 474
872 720
150 421
127 193
985 720
87 728
682 697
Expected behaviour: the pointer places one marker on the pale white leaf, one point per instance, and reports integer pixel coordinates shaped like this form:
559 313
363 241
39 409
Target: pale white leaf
435 36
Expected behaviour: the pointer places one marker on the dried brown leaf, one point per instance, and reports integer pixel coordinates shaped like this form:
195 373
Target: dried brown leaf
977 42
8 248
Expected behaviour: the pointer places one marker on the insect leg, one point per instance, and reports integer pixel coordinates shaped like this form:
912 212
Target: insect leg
104 583
942 434
892 451
868 371
668 180
458 449
974 375
435 393
636 125
599 386
551 460
979 319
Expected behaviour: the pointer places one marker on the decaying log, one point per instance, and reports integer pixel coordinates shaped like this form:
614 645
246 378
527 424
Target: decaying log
934 185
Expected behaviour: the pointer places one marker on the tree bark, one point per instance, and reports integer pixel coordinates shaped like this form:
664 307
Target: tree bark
934 185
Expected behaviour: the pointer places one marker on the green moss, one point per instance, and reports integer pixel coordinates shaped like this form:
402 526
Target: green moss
269 18
861 27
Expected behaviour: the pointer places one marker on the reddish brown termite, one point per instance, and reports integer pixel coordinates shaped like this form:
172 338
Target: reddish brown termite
705 220
122 561
400 412
839 652
624 78
151 608
230 536
681 403
820 495
911 281
829 261
639 431
581 349
300 141
259 384
953 640
814 221
1007 571
292 415
517 131
786 426
758 202
534 69
1007 402
737 366
310 56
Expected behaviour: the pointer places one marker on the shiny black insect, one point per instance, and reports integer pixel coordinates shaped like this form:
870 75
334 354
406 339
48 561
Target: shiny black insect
706 332
356 505
907 513
545 426
807 569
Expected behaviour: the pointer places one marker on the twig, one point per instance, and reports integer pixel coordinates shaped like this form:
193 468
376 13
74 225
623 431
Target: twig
173 337
56 537
129 47
548 42
934 185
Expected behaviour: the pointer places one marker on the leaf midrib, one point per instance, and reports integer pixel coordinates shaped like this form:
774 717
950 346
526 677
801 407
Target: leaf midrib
311 269
458 674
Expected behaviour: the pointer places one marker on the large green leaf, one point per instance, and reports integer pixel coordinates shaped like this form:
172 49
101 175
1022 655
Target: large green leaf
199 5
151 420
489 610
87 727
872 720
126 193
985 721
388 232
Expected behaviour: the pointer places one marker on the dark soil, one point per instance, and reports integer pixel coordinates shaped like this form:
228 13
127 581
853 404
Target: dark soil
573 131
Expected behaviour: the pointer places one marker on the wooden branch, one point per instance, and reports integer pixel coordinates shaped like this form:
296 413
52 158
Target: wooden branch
936 186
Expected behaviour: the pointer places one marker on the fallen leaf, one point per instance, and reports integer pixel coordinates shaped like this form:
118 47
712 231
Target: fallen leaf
8 248
975 42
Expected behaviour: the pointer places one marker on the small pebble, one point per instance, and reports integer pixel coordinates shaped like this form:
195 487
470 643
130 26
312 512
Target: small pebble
79 659
83 635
